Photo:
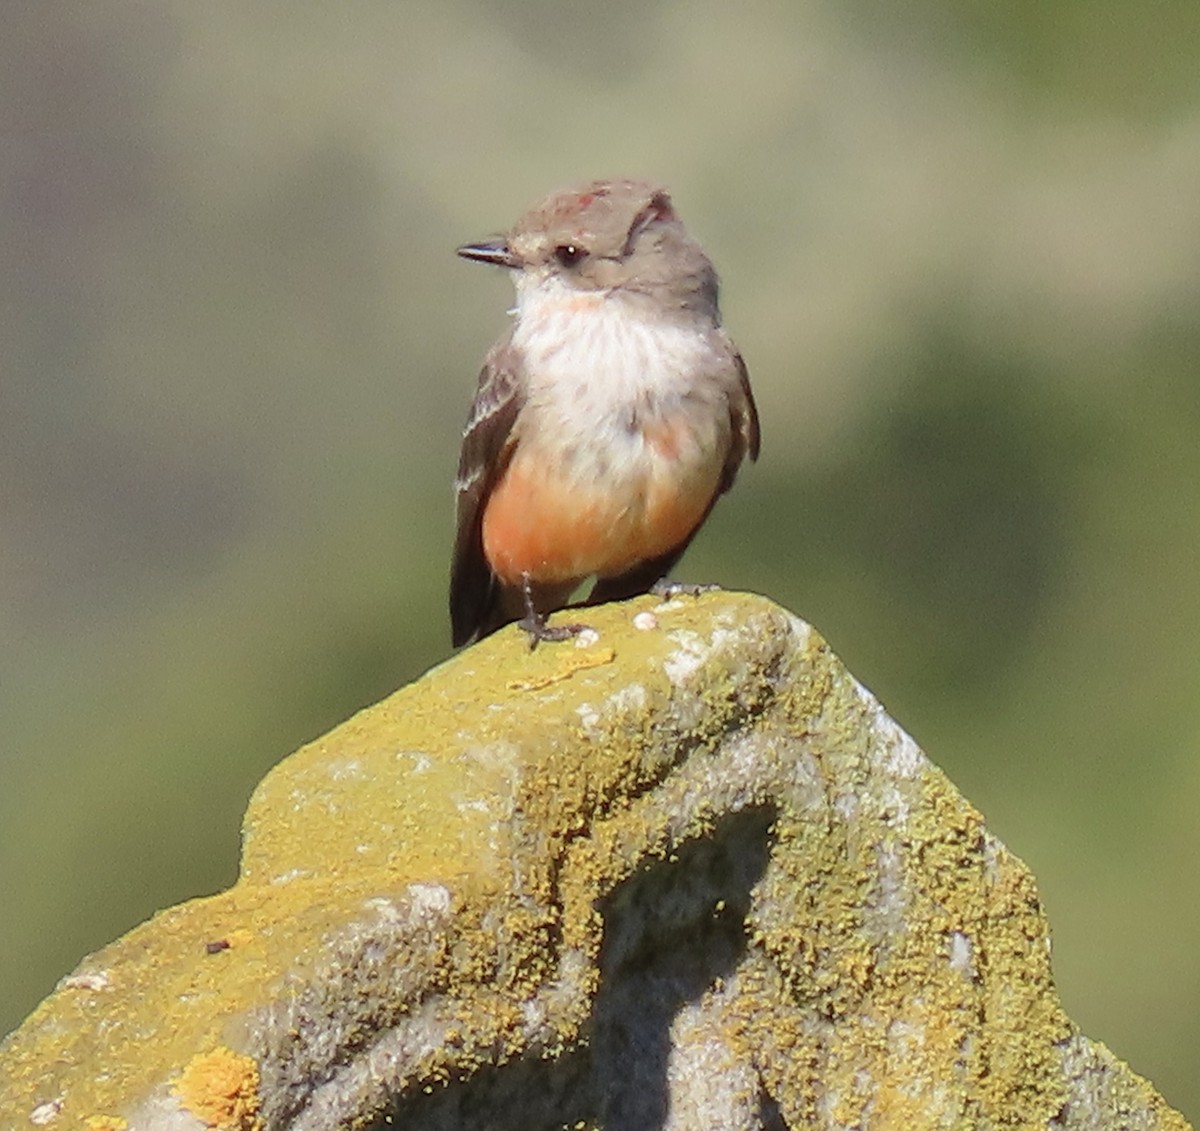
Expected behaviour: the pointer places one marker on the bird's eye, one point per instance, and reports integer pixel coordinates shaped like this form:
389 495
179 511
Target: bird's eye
569 254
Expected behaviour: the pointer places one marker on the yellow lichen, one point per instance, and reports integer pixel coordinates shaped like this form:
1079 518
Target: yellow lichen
471 830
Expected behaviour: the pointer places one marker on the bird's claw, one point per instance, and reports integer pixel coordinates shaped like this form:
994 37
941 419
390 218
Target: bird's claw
538 630
667 589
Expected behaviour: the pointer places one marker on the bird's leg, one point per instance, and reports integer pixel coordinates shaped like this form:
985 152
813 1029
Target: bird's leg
535 624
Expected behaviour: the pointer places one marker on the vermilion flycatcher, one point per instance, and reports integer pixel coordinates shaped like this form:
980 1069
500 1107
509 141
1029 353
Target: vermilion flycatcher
607 420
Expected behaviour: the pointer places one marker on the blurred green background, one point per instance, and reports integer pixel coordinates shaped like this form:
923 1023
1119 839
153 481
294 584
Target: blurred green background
960 246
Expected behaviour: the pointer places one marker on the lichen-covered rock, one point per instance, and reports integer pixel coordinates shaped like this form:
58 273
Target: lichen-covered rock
688 876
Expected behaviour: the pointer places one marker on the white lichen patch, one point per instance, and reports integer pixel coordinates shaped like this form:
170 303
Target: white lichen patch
709 1084
907 1036
421 905
387 909
846 805
961 954
534 1015
501 757
645 621
689 656
801 630
46 1113
419 762
630 698
429 898
905 758
895 805
892 901
473 805
93 980
725 639
344 769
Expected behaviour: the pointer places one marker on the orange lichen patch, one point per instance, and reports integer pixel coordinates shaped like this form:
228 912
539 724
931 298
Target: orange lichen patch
221 1088
571 662
105 1123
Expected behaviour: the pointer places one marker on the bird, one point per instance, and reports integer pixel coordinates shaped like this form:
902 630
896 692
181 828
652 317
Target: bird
608 418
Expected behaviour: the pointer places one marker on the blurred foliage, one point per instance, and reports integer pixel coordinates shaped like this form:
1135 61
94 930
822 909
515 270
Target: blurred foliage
959 248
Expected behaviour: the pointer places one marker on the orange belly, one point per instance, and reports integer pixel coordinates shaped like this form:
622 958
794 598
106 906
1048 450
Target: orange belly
554 529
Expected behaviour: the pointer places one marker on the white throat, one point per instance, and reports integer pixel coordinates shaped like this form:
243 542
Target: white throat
604 351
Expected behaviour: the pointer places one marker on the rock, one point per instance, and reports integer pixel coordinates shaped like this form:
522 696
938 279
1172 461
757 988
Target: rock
689 876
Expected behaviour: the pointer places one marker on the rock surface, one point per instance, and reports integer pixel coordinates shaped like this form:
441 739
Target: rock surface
688 876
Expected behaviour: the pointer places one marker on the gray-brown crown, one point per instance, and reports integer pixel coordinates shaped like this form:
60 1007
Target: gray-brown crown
610 234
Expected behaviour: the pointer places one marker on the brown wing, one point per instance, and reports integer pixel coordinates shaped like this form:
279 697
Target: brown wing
487 446
744 417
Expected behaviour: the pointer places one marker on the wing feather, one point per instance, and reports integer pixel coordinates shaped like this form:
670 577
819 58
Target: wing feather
487 446
743 416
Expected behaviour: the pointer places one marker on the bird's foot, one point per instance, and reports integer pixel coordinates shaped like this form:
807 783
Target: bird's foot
667 589
535 625
534 621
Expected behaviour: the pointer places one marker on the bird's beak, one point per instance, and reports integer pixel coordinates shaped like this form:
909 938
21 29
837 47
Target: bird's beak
494 251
